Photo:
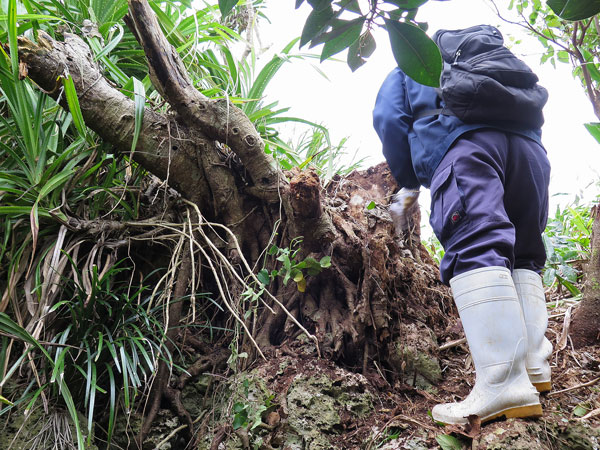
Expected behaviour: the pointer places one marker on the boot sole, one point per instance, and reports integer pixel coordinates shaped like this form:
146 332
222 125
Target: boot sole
534 411
544 386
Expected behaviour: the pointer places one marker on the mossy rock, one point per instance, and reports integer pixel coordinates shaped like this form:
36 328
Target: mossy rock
538 435
414 356
321 405
249 394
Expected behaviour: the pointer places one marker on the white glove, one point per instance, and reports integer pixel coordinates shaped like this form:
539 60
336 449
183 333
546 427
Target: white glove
403 206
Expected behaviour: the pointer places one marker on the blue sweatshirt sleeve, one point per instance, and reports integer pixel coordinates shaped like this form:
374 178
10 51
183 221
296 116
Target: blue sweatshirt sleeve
392 119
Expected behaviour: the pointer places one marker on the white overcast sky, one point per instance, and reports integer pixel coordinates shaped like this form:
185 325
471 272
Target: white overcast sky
344 102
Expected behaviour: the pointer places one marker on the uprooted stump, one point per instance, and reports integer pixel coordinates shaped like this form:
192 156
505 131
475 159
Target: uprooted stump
377 280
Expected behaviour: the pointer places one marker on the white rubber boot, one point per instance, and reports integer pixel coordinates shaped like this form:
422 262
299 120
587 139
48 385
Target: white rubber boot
533 301
493 323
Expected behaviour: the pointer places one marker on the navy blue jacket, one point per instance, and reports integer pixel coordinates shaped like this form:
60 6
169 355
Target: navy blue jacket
414 148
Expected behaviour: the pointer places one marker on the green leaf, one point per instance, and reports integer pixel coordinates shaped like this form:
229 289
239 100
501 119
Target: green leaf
350 5
263 277
112 44
448 442
112 404
238 407
589 65
593 71
579 222
580 411
297 275
549 276
73 103
320 4
594 129
53 183
301 284
350 32
12 37
406 4
239 420
574 291
367 44
371 205
362 48
68 399
315 24
563 56
325 261
107 10
140 106
354 59
416 54
10 327
225 6
265 76
575 9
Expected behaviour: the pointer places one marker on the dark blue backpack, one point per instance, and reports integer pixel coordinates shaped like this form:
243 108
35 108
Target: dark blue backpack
484 82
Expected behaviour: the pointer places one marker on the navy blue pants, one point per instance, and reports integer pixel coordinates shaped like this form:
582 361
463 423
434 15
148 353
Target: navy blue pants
489 203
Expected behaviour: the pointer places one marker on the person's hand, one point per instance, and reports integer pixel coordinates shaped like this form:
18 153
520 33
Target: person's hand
402 207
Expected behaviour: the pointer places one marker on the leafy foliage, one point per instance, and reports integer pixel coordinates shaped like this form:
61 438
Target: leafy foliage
105 343
246 414
567 242
291 269
347 24
448 442
575 10
565 41
417 55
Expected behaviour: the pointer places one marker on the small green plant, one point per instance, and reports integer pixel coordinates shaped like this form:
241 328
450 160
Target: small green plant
246 414
448 442
105 344
292 269
392 433
567 243
435 249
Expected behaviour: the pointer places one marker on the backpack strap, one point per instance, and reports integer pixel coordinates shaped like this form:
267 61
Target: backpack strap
433 112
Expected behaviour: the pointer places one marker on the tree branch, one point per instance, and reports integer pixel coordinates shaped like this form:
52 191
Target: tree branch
218 119
165 148
592 93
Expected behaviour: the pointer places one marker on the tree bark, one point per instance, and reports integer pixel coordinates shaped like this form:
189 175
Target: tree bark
585 325
166 147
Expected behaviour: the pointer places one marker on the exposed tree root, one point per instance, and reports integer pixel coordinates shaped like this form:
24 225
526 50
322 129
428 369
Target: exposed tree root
219 437
161 381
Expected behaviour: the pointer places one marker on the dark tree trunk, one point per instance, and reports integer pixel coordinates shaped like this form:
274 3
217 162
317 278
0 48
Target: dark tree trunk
585 326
